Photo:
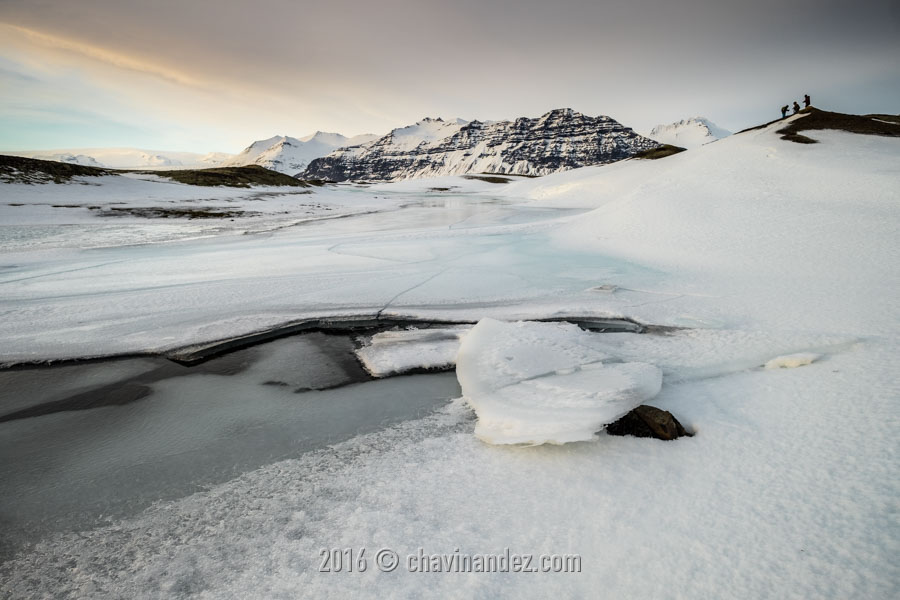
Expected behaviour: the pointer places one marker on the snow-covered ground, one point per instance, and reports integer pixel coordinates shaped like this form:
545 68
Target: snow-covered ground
135 209
763 252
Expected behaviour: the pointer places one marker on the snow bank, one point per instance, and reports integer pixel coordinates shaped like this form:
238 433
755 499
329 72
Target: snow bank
540 383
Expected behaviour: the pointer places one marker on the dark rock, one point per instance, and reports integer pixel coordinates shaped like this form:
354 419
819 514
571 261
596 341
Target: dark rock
648 421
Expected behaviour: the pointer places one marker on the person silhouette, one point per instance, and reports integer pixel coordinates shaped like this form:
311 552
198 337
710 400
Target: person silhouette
784 110
796 107
806 101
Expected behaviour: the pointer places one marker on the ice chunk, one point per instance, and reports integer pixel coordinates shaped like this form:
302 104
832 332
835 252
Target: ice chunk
390 352
790 361
545 383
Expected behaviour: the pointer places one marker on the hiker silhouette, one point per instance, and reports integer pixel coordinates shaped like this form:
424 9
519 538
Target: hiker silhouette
796 107
784 110
806 101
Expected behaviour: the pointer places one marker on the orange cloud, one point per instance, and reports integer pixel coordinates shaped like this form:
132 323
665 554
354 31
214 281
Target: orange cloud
51 42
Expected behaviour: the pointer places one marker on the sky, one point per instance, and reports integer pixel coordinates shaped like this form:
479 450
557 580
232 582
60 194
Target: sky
214 75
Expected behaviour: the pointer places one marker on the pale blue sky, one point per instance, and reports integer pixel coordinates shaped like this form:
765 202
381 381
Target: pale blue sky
212 75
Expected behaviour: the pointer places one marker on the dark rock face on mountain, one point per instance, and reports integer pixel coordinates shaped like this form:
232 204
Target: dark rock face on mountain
559 140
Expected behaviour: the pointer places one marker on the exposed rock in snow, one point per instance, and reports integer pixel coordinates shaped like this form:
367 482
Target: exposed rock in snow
560 140
291 155
688 133
648 421
546 383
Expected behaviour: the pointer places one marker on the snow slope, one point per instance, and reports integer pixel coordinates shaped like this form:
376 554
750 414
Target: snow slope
759 248
291 155
688 133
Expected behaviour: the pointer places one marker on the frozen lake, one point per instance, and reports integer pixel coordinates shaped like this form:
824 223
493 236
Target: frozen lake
84 443
87 442
420 254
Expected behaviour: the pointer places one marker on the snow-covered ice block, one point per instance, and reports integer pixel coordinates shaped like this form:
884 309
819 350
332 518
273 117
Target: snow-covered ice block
546 383
391 352
790 361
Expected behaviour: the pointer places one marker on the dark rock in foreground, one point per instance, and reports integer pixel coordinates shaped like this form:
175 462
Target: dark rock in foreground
648 421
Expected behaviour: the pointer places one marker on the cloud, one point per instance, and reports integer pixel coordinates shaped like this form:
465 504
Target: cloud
288 66
121 61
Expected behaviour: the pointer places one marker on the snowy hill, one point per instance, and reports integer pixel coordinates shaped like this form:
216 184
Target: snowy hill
291 155
560 140
688 133
127 158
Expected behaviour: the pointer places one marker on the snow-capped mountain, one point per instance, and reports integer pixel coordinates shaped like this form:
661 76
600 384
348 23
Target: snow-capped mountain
559 140
129 158
688 133
72 159
292 155
215 159
159 160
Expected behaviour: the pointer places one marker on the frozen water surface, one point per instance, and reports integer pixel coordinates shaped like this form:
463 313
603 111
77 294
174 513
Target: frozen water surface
410 254
109 438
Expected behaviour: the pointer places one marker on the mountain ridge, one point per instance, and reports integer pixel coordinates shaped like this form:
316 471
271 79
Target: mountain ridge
558 140
125 158
291 155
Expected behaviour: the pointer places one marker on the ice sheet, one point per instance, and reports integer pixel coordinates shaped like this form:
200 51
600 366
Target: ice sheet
391 352
540 383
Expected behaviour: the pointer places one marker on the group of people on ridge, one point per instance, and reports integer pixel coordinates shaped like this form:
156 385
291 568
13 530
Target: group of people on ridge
784 108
